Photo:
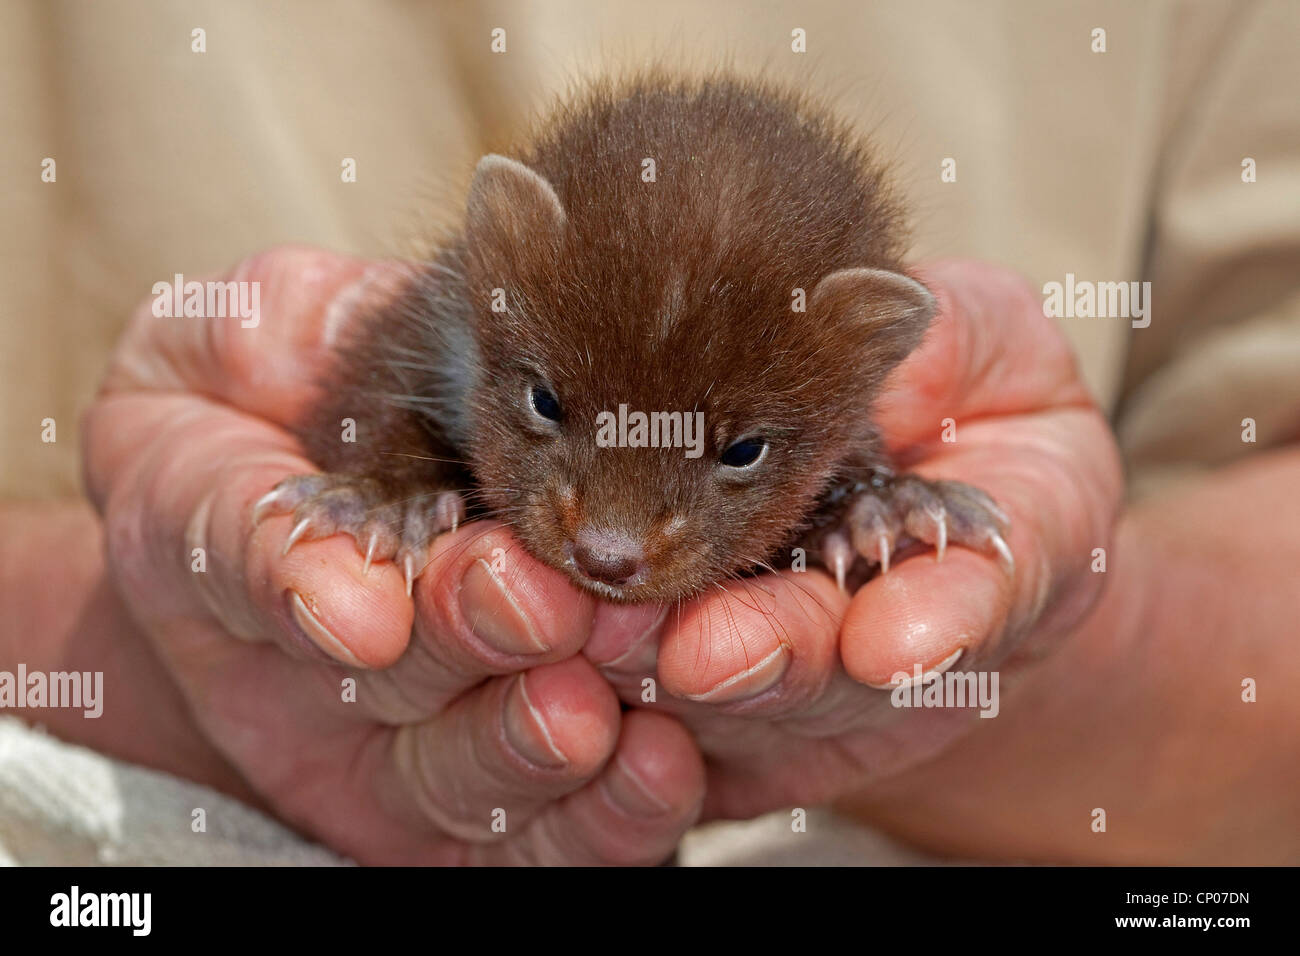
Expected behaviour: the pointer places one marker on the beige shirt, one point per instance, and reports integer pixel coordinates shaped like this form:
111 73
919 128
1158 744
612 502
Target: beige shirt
1116 166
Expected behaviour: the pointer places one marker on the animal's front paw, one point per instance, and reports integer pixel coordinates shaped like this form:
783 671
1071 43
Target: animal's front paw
875 519
385 526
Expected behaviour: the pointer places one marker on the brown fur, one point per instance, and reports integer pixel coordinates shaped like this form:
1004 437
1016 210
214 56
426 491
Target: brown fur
673 295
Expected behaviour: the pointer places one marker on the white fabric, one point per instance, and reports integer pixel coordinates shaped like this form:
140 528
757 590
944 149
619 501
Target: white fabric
63 805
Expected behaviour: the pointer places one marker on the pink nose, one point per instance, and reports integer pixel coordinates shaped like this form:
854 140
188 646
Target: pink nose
609 557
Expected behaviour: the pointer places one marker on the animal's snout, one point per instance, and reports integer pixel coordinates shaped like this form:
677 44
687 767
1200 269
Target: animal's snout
610 557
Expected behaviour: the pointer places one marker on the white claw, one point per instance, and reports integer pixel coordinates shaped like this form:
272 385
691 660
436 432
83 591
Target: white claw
298 531
1004 552
266 504
370 551
408 566
885 549
838 555
941 536
449 510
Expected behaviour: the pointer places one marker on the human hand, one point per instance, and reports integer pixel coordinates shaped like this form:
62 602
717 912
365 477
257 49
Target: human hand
470 698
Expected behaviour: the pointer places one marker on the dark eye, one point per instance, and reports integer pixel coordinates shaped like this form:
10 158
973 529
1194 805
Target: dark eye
744 453
544 403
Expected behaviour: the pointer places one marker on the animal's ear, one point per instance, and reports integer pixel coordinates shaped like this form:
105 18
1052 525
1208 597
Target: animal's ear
512 209
887 310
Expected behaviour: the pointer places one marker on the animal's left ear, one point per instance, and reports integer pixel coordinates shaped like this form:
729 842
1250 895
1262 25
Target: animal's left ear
891 310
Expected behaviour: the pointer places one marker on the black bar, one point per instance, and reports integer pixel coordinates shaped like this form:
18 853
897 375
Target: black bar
658 906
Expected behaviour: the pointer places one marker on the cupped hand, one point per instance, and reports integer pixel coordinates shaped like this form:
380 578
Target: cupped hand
786 681
462 725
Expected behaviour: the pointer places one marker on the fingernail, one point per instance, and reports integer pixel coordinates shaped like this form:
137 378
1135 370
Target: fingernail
349 299
621 636
527 732
630 793
493 615
904 679
750 682
318 633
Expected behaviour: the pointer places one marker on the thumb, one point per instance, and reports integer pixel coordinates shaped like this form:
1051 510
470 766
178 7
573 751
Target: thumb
989 353
267 363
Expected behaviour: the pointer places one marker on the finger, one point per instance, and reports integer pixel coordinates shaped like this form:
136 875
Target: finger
764 646
483 607
499 754
635 813
989 352
811 698
178 523
922 618
268 364
1057 478
270 370
625 637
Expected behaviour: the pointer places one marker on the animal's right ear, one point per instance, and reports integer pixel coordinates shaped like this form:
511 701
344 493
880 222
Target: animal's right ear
887 310
512 209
